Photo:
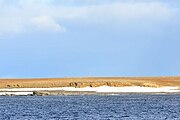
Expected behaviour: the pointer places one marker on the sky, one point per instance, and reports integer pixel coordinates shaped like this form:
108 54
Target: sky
89 38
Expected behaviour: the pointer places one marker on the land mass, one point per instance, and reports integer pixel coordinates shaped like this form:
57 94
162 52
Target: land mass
154 82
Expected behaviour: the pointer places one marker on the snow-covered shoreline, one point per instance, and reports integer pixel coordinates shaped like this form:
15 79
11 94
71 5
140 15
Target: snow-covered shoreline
101 89
15 93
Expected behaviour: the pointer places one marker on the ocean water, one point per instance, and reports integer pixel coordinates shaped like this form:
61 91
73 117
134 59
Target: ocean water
90 107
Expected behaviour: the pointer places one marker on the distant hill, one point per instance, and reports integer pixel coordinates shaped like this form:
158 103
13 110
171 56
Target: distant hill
90 81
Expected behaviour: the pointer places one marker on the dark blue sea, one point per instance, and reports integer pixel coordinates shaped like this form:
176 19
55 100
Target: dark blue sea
91 107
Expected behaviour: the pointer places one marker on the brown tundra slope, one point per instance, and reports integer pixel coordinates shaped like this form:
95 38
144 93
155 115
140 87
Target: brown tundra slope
90 81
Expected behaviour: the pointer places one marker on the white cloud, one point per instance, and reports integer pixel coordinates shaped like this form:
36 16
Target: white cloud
47 23
44 15
117 11
11 25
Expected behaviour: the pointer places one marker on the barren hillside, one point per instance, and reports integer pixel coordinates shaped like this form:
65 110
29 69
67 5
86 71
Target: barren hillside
90 81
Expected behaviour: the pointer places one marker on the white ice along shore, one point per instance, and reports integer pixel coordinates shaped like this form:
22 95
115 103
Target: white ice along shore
101 89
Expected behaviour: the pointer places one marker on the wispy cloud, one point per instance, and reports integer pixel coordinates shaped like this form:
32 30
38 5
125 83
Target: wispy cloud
124 11
47 23
46 15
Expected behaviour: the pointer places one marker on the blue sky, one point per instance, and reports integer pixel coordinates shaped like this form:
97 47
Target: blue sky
74 38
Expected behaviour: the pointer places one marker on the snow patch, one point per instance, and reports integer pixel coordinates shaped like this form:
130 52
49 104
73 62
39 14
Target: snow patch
101 89
16 93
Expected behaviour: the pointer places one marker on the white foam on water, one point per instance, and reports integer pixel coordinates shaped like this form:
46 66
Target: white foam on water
105 89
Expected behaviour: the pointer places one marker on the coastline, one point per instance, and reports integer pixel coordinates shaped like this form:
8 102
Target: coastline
89 85
87 90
